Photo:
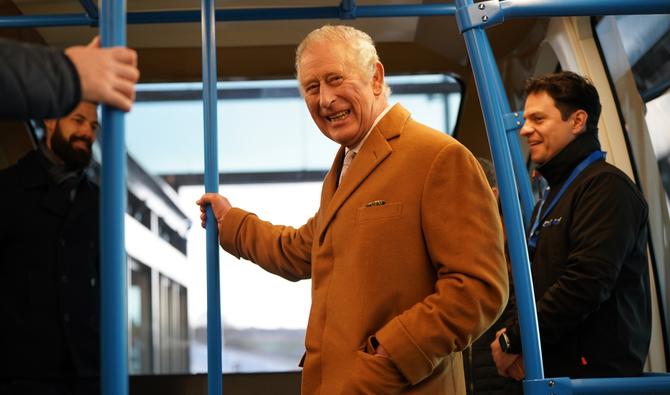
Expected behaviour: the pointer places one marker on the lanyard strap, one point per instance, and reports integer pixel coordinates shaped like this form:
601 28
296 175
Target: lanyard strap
535 230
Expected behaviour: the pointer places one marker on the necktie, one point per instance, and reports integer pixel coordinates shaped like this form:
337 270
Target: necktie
346 163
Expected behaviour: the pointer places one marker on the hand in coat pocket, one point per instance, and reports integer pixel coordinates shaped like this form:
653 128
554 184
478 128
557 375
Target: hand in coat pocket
374 375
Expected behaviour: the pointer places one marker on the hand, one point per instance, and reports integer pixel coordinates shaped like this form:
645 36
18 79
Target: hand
220 206
106 75
516 370
502 359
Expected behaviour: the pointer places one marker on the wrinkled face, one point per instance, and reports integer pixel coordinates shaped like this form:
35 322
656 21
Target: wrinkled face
342 101
544 129
71 137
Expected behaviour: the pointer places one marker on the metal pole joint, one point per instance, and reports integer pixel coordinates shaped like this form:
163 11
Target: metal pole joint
484 14
348 9
548 386
513 121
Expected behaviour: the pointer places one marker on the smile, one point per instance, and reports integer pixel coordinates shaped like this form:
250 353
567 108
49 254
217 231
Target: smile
338 116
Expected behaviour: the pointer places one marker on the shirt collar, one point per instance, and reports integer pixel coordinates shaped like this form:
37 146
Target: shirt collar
360 143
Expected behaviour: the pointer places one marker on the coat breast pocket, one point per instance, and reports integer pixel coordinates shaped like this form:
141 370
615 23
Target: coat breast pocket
374 213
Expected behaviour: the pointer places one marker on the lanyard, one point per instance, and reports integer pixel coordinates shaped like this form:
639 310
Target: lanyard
535 231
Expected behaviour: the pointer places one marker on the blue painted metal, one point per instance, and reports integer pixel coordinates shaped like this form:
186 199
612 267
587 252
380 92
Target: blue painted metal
348 9
647 385
21 21
214 349
518 162
90 8
623 386
485 13
510 9
234 15
553 386
114 303
490 90
513 121
287 13
405 10
537 8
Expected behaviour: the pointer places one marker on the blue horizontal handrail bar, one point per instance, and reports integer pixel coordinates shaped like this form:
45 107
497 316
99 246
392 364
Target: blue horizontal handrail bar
19 21
622 386
539 8
192 16
511 9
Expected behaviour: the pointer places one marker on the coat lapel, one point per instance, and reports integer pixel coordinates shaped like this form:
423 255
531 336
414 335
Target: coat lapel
373 152
330 182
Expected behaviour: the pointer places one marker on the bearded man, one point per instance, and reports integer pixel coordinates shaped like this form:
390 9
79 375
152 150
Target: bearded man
49 261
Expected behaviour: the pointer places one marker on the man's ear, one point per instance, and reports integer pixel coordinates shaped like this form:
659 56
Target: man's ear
378 79
579 119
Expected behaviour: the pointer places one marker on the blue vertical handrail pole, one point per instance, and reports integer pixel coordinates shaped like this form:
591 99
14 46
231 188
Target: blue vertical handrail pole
114 332
488 82
214 379
527 200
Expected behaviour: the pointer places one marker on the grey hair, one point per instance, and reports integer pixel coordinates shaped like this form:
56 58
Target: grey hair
359 42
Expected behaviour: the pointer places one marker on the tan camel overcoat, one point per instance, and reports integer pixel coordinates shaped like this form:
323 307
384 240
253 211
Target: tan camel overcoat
409 248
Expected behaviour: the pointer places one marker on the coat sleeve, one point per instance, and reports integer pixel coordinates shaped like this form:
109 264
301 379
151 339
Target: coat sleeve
42 82
281 250
607 222
463 236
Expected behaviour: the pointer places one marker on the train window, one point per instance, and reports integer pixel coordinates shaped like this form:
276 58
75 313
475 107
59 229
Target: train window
140 348
264 316
640 45
263 125
272 159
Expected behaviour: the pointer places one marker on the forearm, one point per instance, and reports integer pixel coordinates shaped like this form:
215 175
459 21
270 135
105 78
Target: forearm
282 250
42 82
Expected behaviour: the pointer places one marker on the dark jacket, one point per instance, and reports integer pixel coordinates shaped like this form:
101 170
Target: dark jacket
589 271
36 82
48 275
481 374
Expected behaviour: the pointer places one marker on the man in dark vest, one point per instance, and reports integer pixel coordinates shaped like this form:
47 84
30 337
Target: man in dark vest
49 264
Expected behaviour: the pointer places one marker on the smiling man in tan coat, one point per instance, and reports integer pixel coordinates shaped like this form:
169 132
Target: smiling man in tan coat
405 252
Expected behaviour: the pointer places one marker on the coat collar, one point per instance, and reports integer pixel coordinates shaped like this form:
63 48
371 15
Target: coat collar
558 168
373 152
